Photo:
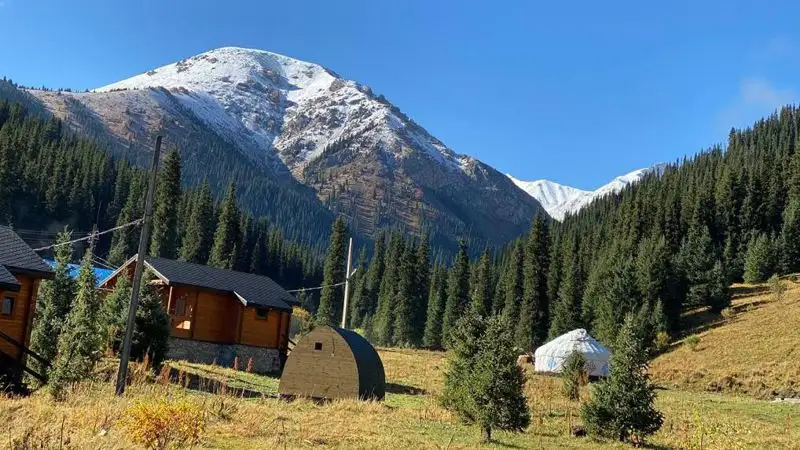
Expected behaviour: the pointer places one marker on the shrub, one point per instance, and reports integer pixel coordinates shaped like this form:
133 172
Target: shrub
661 342
727 313
777 287
692 341
574 375
161 423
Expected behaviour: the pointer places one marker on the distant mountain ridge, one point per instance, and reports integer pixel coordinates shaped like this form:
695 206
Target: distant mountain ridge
298 123
560 200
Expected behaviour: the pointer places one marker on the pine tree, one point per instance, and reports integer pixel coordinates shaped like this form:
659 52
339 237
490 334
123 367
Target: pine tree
620 298
333 274
384 315
80 344
359 281
224 250
437 296
151 335
404 329
199 237
513 279
484 384
759 263
566 311
115 311
164 240
534 315
457 292
53 304
622 407
482 289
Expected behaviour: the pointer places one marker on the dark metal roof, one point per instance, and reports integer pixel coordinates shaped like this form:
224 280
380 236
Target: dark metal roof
371 375
251 289
17 257
7 281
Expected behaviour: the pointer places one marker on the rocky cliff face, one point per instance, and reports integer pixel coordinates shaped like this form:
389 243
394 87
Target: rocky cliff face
298 123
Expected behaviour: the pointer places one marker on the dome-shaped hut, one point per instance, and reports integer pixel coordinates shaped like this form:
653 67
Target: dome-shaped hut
551 356
332 362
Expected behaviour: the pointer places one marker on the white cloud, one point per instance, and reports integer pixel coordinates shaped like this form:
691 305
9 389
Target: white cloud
756 98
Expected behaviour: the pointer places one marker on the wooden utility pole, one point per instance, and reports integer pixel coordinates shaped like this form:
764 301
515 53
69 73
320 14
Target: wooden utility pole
347 282
122 375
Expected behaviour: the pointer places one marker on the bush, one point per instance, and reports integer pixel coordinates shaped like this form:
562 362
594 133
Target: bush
727 313
777 287
692 342
661 342
161 423
574 375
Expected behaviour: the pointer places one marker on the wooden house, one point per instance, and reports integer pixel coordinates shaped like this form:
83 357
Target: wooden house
21 271
332 362
218 315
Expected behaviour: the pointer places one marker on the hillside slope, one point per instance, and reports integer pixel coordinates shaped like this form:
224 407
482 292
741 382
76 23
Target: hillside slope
293 119
754 351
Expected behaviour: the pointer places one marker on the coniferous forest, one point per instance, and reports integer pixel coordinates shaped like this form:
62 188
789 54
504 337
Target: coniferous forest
51 179
675 240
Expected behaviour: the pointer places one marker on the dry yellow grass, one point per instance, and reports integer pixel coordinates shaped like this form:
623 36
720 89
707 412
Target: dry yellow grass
410 418
754 350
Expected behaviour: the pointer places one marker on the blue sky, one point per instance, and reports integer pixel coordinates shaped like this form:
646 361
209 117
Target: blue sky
576 92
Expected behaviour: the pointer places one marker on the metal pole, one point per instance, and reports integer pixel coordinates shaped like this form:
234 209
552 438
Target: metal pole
122 375
347 282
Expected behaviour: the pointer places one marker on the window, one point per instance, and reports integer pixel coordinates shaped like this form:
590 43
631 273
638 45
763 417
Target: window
262 313
180 306
8 306
318 346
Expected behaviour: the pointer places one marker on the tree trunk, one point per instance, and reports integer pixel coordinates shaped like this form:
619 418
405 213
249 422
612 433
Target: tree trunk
487 434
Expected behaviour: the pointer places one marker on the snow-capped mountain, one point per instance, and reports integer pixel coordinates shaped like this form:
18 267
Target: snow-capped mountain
295 119
559 200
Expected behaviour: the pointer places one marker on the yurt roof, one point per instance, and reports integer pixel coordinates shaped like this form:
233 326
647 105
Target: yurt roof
576 340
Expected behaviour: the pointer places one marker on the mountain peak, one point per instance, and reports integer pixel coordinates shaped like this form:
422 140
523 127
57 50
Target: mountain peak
559 200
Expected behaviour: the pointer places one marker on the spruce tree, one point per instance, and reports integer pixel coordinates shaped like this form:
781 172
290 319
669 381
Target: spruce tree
437 296
115 311
457 292
374 276
164 240
196 243
482 288
484 384
53 304
620 298
567 310
759 263
333 274
358 299
224 250
534 315
80 344
513 279
384 315
123 240
623 406
404 329
151 335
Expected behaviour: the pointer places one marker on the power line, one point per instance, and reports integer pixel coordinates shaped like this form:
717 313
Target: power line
316 288
91 236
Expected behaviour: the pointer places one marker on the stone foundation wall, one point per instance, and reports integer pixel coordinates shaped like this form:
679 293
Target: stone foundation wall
265 360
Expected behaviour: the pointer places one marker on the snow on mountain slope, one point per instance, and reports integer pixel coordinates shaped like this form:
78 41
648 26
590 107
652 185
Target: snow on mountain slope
559 200
360 155
296 107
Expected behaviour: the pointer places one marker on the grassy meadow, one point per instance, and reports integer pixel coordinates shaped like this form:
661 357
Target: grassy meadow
752 346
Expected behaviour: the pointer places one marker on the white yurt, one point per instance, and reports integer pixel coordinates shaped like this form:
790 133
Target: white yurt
551 356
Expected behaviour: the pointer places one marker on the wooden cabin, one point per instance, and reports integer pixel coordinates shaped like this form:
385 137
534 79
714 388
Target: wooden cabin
332 362
21 271
218 315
